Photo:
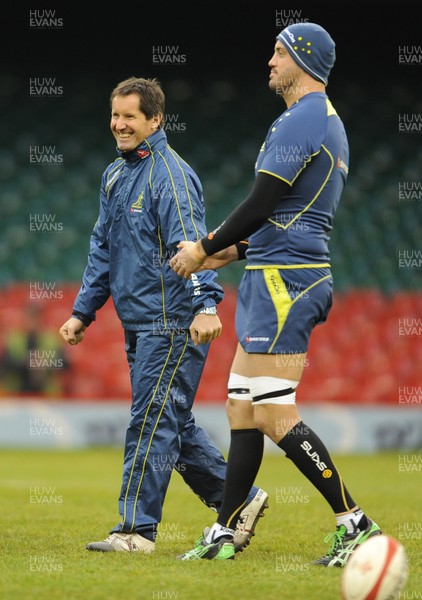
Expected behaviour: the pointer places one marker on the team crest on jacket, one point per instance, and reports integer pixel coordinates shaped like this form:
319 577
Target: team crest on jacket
137 206
142 153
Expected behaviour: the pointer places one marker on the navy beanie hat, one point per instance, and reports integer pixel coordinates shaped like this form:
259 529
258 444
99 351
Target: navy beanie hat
311 47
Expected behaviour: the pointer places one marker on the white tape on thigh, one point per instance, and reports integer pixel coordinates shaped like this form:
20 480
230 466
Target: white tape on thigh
238 387
272 390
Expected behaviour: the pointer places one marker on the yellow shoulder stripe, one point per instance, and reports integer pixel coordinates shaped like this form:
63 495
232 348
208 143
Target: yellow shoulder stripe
330 109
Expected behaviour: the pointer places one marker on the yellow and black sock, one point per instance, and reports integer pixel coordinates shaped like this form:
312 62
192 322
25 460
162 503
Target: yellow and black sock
305 449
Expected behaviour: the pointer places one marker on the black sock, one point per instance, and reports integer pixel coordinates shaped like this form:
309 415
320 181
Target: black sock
304 448
244 460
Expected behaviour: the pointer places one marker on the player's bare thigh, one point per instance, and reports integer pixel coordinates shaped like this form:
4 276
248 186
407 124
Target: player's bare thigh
275 420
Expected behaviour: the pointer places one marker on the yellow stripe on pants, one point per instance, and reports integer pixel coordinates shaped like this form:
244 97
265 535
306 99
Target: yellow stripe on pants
280 297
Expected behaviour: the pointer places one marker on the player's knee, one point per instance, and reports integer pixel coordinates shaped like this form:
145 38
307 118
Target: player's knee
262 422
274 403
239 403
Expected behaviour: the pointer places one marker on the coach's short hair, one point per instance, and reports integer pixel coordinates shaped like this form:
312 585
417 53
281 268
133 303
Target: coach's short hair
151 95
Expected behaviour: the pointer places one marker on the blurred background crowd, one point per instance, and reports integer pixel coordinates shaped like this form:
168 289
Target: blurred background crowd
56 144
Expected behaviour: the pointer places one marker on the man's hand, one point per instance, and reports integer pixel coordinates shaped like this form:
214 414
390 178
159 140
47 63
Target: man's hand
72 331
220 259
189 258
205 328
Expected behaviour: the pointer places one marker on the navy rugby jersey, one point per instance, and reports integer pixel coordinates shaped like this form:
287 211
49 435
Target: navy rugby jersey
307 148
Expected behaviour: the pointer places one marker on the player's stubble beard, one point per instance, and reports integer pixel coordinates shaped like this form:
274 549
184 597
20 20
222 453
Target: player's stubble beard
287 85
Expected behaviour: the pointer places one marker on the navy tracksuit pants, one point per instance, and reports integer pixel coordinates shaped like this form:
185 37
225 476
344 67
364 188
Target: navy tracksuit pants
165 371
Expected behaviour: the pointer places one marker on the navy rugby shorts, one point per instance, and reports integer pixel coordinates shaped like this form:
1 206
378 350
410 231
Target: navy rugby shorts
277 308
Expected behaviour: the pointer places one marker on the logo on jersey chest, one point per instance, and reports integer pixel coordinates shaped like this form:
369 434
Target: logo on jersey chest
137 206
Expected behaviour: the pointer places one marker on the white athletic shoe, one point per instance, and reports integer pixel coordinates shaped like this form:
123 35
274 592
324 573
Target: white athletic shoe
248 519
123 542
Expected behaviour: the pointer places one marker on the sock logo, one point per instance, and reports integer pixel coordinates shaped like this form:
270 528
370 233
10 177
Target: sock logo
314 456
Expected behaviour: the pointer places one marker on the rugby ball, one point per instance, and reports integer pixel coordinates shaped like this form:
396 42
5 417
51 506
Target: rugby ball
377 570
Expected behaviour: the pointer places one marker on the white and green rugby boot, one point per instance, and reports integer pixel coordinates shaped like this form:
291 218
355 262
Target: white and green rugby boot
248 518
223 549
343 544
226 547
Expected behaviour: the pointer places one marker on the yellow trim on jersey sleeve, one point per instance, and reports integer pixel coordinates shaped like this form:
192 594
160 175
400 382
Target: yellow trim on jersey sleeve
297 174
275 175
299 214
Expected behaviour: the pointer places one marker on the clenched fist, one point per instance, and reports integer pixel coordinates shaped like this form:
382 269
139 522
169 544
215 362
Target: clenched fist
72 331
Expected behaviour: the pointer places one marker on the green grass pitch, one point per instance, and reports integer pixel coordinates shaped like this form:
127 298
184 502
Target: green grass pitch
53 503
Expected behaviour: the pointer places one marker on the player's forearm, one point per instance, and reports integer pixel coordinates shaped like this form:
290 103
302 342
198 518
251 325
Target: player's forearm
248 216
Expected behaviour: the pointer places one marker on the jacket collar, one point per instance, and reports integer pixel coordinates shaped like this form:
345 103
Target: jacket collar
153 142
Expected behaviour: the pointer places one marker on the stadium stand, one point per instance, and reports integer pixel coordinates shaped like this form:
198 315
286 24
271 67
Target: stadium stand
367 350
370 345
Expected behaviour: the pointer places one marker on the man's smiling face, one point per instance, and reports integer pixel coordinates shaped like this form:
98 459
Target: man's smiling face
128 123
